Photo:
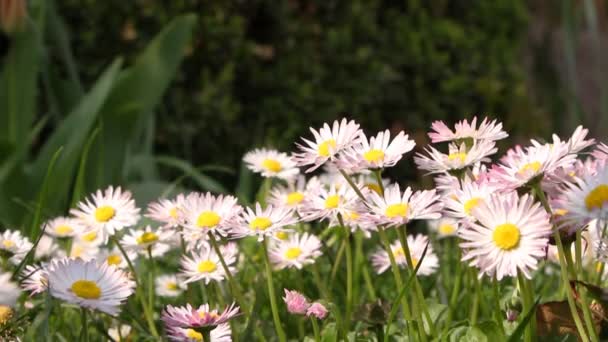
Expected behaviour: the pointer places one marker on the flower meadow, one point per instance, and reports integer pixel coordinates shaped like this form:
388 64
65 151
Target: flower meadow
505 246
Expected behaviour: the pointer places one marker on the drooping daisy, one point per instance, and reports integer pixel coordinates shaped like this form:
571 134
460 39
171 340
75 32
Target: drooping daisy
381 260
9 291
460 202
140 240
193 320
586 198
108 212
328 203
14 246
271 163
221 333
167 211
265 222
395 208
444 227
34 279
463 130
328 142
297 251
169 285
114 257
509 236
459 157
121 333
89 284
204 213
378 153
205 264
63 227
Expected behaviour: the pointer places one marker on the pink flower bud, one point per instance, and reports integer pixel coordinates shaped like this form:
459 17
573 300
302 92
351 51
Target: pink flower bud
317 310
296 302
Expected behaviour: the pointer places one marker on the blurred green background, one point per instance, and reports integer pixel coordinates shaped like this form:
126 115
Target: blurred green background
259 73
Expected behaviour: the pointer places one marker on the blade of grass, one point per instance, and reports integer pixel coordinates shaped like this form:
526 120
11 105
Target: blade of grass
521 327
79 184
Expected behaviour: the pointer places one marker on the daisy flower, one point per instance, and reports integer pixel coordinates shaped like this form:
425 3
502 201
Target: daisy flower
585 199
381 260
63 227
107 212
328 142
205 264
378 153
169 286
14 246
265 222
297 251
46 248
166 211
296 303
204 213
121 333
114 257
141 240
463 130
328 203
34 279
459 157
91 238
395 208
444 227
221 333
293 195
83 251
600 152
89 284
187 317
271 163
510 235
9 291
460 202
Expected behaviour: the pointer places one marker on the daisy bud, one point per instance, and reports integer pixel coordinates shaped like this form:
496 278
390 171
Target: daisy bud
512 315
296 302
12 15
317 310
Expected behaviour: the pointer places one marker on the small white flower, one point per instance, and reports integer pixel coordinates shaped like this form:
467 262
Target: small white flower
14 246
167 211
205 213
141 240
293 195
46 248
329 203
271 163
34 278
459 157
463 130
297 251
114 257
89 284
265 222
205 264
460 202
63 227
394 208
377 153
169 286
9 291
444 227
381 260
120 333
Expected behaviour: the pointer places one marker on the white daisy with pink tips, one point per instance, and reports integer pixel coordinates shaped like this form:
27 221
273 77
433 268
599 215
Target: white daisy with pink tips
487 130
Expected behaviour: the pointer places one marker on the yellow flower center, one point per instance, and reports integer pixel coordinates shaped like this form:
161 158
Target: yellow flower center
446 229
8 243
374 187
532 167
76 251
560 212
394 210
374 156
295 198
89 237
272 165
352 216
86 289
104 213
597 197
172 286
415 262
471 204
324 147
63 229
398 252
332 202
173 212
147 237
506 236
293 252
462 156
281 235
5 314
194 335
114 259
208 219
206 266
260 223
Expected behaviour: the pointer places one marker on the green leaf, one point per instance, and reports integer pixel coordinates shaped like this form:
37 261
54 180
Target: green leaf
491 330
72 134
204 182
329 333
79 184
521 327
139 90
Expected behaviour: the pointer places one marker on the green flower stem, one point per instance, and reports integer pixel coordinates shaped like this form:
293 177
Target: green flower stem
583 291
397 275
497 311
378 174
349 276
526 305
315 328
84 333
206 335
368 282
476 300
271 294
563 266
455 293
325 293
151 277
147 312
350 182
418 295
337 261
